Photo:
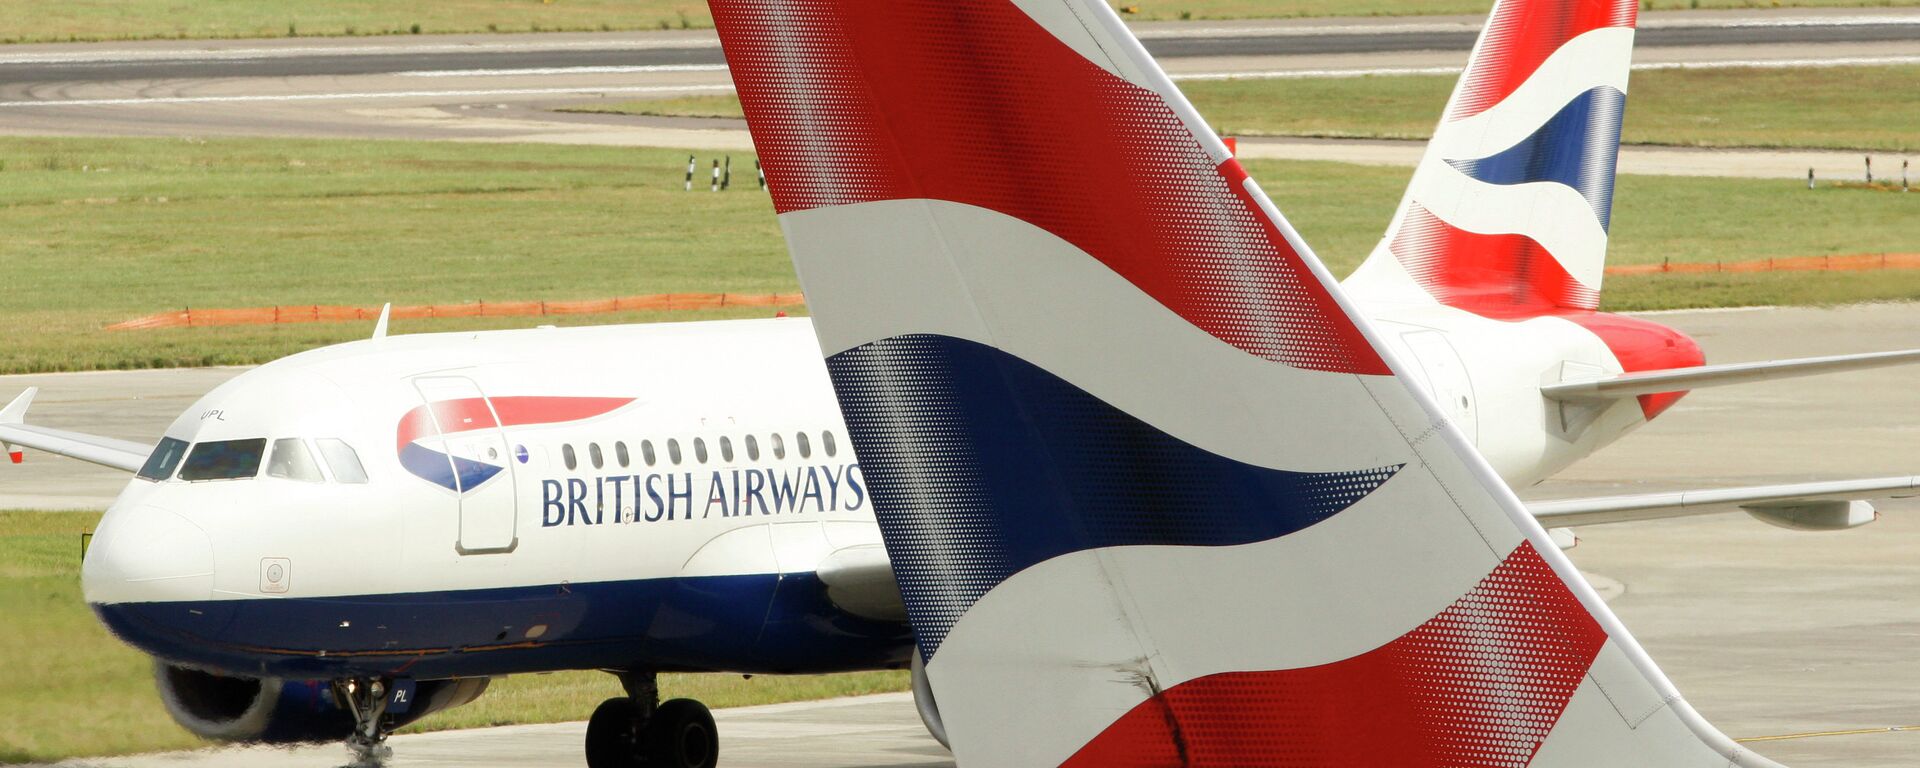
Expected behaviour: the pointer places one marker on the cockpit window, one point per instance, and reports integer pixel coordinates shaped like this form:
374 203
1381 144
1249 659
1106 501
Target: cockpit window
224 460
165 458
291 460
342 459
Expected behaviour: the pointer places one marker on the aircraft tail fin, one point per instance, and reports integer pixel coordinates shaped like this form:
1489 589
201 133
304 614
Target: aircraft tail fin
1508 212
1153 493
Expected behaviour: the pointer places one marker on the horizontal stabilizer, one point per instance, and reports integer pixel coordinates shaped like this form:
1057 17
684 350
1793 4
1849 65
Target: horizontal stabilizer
104 451
1682 379
1809 506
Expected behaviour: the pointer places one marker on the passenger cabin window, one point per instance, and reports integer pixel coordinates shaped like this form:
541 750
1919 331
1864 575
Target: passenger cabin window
290 460
673 450
800 443
165 458
826 443
779 447
726 449
224 460
700 449
620 454
593 452
342 459
646 452
753 449
566 456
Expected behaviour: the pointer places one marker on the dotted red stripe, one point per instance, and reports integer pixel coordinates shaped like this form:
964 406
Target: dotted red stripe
1478 686
1500 276
974 103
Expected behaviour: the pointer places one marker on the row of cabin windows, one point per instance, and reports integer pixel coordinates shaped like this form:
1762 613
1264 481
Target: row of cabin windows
776 444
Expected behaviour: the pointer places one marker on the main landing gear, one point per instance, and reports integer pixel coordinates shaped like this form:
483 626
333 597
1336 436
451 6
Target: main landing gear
639 731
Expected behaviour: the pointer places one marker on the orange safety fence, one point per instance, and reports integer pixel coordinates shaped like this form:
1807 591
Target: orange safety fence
322 313
1852 263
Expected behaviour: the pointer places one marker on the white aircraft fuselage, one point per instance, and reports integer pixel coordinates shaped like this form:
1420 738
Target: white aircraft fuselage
626 497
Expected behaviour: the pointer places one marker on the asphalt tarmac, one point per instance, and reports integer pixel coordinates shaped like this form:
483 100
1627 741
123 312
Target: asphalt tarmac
505 87
1808 642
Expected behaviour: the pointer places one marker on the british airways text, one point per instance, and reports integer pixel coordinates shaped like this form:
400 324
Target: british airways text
724 493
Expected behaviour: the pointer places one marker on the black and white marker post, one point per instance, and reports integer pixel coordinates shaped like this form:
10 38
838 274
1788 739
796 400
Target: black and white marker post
762 173
726 175
689 173
1869 170
715 186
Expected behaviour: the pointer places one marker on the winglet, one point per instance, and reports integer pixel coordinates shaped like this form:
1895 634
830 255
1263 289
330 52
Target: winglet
16 413
380 326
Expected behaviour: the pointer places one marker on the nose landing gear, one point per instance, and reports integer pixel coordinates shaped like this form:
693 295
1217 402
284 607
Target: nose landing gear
639 731
367 700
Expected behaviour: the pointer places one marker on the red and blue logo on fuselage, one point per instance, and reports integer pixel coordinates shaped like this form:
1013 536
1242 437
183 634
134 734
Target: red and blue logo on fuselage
424 456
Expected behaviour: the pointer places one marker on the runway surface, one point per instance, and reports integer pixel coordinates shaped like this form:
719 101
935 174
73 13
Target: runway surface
1769 632
504 88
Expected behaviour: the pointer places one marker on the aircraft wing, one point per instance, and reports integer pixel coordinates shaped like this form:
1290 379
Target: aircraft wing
1680 379
1822 506
104 451
859 579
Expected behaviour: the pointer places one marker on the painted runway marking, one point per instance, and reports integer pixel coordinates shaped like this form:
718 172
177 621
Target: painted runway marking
1820 734
369 95
593 70
1856 61
1288 74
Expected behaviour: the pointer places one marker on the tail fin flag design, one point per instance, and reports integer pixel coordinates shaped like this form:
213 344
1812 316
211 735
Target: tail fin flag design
1153 492
1520 171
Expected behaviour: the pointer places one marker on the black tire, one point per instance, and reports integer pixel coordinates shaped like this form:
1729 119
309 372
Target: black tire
681 735
615 738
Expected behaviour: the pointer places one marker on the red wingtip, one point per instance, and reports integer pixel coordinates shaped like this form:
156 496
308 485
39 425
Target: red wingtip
18 457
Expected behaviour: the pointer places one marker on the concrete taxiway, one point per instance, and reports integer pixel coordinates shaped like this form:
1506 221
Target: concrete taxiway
1770 633
505 88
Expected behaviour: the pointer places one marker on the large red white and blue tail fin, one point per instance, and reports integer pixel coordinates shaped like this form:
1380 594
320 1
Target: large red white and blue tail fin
1152 492
1508 212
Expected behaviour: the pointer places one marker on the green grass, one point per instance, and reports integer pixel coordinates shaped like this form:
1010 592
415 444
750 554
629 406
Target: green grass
1825 108
140 19
103 230
69 689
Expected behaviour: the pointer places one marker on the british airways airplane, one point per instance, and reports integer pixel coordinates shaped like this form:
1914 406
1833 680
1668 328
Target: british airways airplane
340 542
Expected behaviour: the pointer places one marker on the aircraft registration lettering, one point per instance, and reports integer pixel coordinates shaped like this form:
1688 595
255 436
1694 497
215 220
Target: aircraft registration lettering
732 493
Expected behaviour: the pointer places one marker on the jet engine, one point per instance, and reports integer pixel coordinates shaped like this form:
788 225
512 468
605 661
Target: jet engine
244 709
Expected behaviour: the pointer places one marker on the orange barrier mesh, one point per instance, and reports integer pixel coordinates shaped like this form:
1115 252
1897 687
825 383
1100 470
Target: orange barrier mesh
322 313
1853 263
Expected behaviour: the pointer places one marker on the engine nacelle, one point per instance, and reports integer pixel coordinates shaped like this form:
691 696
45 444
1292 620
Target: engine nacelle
243 709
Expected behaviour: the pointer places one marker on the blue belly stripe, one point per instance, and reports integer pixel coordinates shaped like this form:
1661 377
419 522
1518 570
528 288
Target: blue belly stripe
1579 148
762 623
981 465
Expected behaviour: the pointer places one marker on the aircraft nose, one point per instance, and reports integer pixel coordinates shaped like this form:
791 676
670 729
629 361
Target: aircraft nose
146 554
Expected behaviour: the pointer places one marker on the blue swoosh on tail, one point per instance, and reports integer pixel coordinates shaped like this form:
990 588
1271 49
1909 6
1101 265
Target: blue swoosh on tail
1579 147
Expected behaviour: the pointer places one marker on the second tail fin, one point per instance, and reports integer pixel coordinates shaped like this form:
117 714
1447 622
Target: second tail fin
1508 212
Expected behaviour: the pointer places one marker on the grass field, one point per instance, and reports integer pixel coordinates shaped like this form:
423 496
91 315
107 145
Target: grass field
103 230
1833 108
69 689
140 19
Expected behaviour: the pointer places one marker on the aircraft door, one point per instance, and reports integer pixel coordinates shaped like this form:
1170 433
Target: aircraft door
477 451
1447 379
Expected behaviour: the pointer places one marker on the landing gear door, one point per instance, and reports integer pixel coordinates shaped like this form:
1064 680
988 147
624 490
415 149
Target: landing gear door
1447 379
470 436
